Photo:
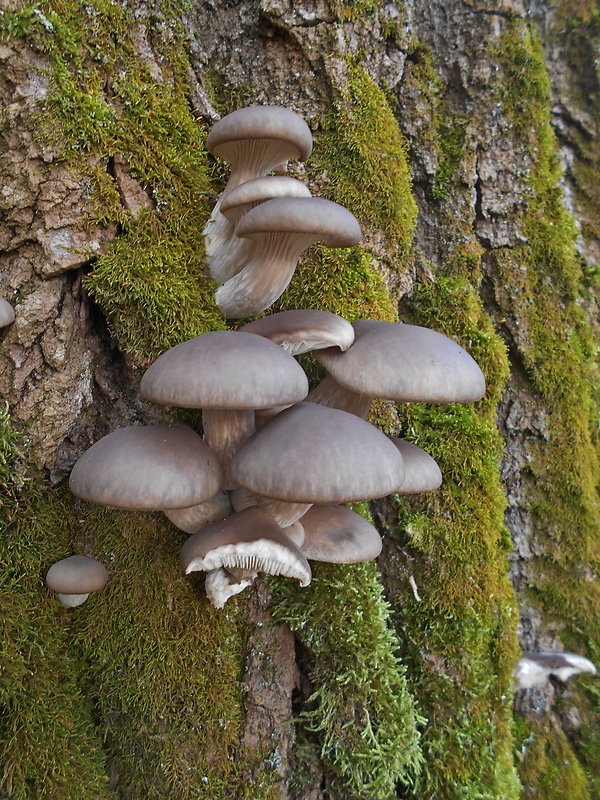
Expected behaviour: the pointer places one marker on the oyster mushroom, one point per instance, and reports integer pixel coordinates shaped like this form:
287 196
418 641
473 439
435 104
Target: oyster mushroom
281 229
75 578
337 535
302 330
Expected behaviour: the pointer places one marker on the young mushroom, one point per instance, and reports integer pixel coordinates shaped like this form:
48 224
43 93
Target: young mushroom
281 229
75 578
7 314
422 473
396 361
228 375
233 252
254 141
337 535
243 545
534 669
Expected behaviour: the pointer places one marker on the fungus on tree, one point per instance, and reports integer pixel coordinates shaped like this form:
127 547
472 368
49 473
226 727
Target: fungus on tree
233 252
396 361
534 669
281 229
75 578
7 313
422 473
254 141
228 375
243 545
147 468
192 519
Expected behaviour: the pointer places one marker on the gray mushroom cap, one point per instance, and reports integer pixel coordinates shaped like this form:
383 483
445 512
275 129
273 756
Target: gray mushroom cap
337 535
396 361
147 468
422 472
248 540
301 330
322 219
7 314
534 669
256 123
258 190
77 575
225 370
192 519
314 454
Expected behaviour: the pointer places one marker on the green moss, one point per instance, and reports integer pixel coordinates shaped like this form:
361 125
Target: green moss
360 709
545 279
451 142
104 102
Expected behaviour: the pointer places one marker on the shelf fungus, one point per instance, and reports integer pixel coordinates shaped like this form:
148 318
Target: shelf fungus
281 230
254 141
396 361
240 547
75 578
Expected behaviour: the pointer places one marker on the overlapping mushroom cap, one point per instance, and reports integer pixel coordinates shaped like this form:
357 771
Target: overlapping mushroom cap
281 230
422 472
337 535
313 454
302 330
147 468
396 361
534 669
7 314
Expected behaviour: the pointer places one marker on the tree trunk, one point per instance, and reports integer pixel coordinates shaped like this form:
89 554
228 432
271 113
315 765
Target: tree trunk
464 138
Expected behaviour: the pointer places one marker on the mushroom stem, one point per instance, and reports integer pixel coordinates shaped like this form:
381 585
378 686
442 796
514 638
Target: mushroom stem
225 430
72 600
266 276
284 513
333 395
193 518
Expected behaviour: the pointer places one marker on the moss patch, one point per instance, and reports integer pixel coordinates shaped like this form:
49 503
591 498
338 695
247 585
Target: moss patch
545 277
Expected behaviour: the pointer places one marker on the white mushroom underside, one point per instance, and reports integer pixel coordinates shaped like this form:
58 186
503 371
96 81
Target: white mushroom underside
260 555
219 587
265 277
72 600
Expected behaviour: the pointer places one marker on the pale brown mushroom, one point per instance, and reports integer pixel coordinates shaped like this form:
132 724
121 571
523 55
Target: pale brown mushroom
75 578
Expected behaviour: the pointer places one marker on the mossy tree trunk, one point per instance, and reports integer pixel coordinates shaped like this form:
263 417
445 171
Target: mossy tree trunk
464 137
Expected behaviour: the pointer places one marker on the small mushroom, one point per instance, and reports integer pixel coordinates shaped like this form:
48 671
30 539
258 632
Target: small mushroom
400 362
337 535
147 468
228 374
254 141
284 514
302 330
233 252
75 578
192 519
534 669
7 314
281 230
244 544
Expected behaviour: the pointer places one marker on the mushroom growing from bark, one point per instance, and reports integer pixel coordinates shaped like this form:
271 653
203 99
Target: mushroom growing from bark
192 519
422 473
337 535
254 141
75 578
243 545
396 361
228 375
281 229
7 314
233 252
147 468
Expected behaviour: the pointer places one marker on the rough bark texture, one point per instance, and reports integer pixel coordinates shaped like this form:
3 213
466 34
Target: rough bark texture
474 93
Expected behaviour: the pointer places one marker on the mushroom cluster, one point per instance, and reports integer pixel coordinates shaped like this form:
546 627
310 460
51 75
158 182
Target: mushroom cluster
262 223
264 490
